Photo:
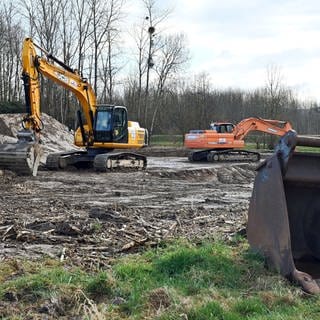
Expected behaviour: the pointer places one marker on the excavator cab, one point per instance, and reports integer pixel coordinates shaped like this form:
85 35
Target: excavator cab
110 124
222 127
284 211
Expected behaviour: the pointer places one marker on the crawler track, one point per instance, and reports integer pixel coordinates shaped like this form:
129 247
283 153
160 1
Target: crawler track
127 160
232 155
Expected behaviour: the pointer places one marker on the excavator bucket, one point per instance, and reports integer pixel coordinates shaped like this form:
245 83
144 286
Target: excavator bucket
284 212
22 157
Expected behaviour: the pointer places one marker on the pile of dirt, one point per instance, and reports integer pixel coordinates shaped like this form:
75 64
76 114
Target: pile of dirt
55 136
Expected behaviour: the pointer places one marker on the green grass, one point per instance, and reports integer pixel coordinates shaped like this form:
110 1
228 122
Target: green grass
167 140
178 280
308 149
46 279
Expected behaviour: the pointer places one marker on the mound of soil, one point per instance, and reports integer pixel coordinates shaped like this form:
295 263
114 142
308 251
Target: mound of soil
55 136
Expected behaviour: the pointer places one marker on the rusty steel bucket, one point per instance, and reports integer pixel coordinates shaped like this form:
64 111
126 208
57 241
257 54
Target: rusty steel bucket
284 212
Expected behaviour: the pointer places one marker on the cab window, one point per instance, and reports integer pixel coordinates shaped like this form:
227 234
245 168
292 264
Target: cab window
103 121
120 127
120 118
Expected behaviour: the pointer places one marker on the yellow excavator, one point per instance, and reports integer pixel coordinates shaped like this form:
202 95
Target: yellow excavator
102 128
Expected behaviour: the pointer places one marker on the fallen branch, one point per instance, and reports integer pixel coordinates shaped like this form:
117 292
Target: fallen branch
171 228
133 244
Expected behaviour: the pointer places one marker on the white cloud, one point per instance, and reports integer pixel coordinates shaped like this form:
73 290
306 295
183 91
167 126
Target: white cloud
235 40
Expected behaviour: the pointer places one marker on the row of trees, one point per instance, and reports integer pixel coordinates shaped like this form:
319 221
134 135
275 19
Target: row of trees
92 36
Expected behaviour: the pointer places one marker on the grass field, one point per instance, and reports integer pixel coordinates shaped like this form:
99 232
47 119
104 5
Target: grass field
178 280
167 140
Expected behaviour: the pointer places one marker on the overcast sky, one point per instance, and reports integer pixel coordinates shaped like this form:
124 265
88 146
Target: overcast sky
235 41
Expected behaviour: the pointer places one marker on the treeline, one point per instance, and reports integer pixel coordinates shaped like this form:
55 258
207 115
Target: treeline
149 76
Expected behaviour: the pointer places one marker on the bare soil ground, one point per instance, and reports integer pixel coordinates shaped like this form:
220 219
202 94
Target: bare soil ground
89 218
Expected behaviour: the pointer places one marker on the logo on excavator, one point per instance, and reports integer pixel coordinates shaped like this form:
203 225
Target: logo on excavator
222 140
62 77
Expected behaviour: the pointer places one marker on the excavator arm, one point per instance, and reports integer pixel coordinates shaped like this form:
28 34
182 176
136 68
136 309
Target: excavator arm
34 65
274 127
23 157
30 77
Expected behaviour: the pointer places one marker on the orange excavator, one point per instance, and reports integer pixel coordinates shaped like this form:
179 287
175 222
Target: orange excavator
224 141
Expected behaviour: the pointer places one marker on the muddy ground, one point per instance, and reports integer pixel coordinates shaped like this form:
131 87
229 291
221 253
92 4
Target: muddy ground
89 218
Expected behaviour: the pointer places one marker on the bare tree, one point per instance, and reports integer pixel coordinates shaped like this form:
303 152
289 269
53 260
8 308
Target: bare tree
141 41
277 96
44 19
82 16
105 15
155 17
172 55
110 62
146 39
10 53
109 69
275 91
67 35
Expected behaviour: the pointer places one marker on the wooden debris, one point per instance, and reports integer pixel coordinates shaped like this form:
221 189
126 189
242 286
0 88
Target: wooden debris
63 254
133 244
78 216
170 230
